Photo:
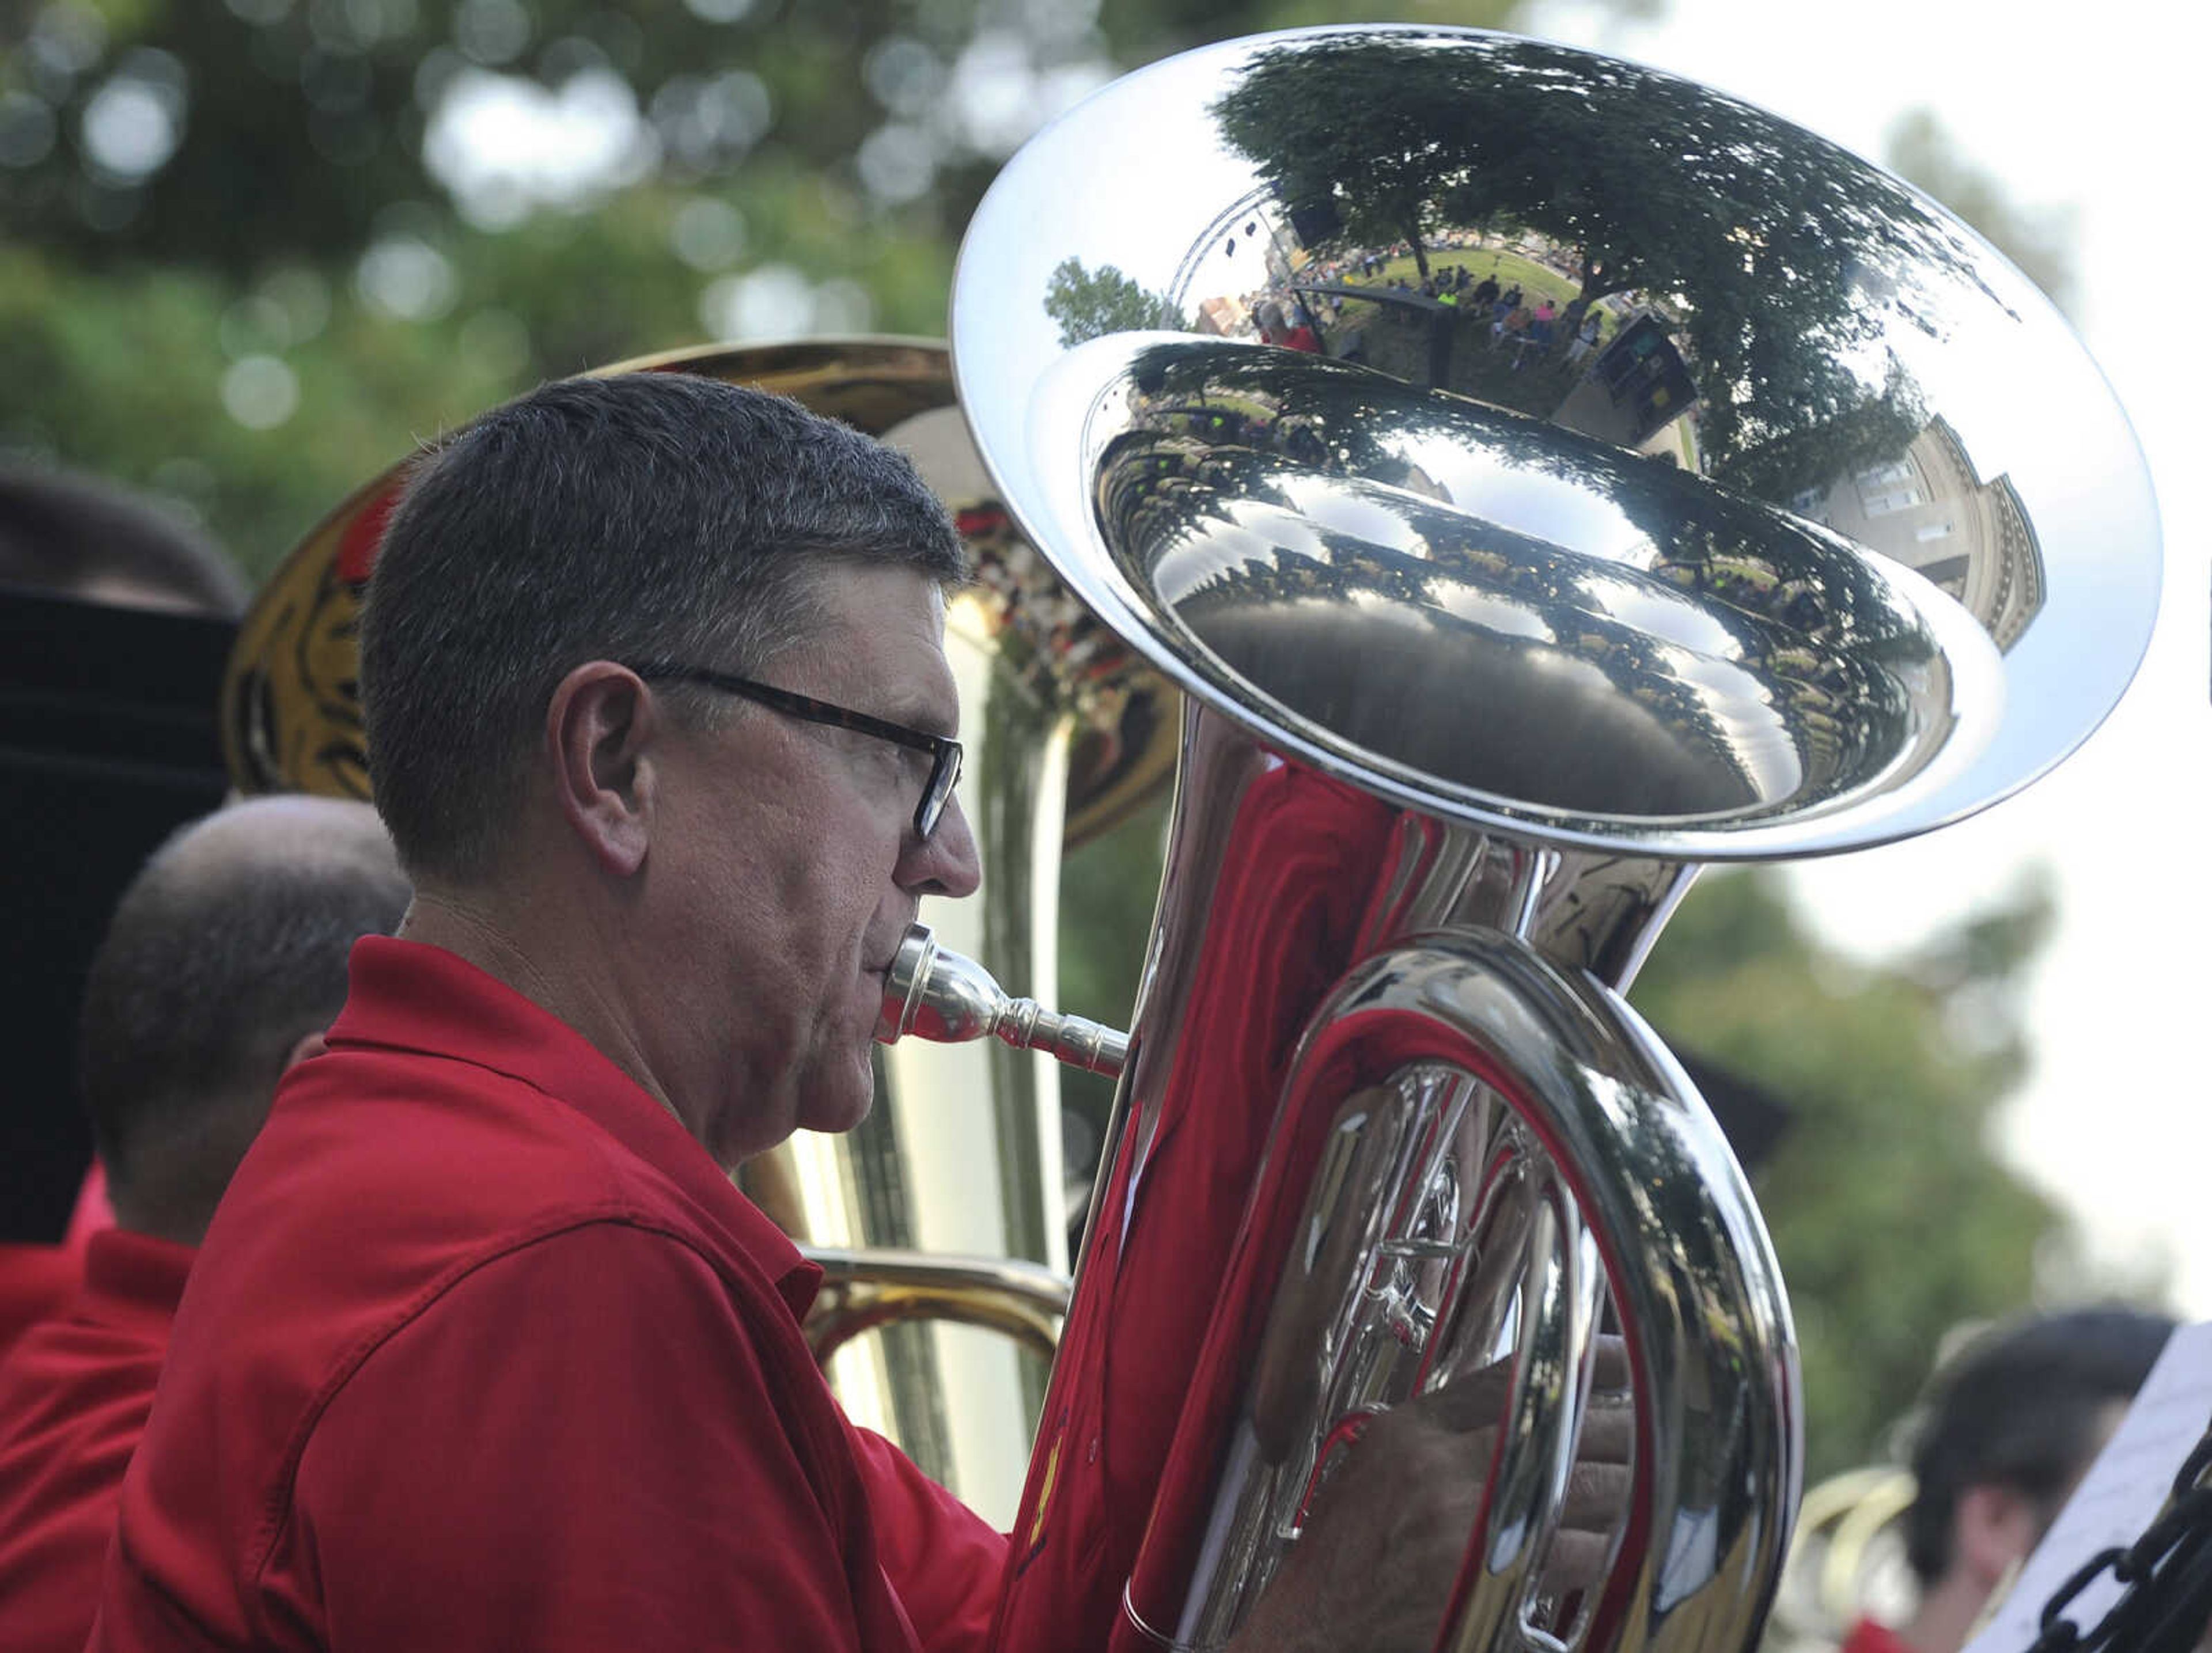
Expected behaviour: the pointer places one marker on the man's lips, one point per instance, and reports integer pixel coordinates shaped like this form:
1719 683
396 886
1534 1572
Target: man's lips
888 956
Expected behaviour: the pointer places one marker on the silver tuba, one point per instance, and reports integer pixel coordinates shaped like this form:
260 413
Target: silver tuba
1778 516
943 1212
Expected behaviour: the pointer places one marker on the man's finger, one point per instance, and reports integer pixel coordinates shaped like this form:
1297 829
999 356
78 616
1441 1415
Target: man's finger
1575 1560
1477 1400
1610 1369
1608 1429
1474 1400
1597 1497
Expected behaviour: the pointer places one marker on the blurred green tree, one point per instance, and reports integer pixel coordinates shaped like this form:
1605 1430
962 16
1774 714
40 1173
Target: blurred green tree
1919 150
1893 1216
1091 303
256 249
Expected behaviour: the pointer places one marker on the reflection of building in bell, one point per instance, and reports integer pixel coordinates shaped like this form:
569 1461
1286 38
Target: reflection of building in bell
1928 510
1414 480
1224 316
1248 248
1635 391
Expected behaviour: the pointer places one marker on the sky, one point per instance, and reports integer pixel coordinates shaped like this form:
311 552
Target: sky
2098 116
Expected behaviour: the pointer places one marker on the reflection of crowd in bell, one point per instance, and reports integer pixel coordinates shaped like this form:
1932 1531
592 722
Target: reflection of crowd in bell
1531 328
1198 461
1046 633
1500 336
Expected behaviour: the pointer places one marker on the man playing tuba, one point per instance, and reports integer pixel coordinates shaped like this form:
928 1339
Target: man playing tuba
484 1349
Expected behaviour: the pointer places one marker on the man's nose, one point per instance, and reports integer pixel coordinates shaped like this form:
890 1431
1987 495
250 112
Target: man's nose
948 865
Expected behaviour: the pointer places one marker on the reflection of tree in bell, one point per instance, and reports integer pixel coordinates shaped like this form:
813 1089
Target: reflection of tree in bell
1787 259
1091 303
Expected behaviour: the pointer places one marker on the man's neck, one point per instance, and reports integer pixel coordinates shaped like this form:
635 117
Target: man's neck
476 928
1947 1615
494 934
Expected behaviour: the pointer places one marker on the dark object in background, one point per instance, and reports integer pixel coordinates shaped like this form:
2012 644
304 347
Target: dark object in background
80 535
1754 1119
1642 369
109 741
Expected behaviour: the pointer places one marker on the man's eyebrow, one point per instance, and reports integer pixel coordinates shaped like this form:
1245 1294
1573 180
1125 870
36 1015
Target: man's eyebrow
923 712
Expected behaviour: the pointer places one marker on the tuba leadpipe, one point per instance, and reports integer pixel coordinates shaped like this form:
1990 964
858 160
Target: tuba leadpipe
1486 643
946 999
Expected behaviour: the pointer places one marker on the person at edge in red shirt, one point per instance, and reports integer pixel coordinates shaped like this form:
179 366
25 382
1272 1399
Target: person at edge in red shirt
1276 328
2012 1424
483 1348
222 964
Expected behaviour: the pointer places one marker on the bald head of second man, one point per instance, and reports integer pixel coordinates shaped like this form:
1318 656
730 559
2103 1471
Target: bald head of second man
223 964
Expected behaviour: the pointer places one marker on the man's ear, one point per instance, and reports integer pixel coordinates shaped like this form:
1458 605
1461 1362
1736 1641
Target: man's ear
1994 1526
600 728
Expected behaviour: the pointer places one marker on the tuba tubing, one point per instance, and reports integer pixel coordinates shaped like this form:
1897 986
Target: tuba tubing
864 1290
1539 1089
1612 1119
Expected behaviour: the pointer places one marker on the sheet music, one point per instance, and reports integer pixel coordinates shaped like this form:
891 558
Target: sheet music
2120 1496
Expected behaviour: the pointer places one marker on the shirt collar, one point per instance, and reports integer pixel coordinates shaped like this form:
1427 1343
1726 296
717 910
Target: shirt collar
412 996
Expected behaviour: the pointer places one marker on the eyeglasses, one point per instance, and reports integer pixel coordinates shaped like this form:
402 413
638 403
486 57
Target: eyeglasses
944 751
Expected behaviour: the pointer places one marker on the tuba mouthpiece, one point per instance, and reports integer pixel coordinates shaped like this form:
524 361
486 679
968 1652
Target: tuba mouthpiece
941 996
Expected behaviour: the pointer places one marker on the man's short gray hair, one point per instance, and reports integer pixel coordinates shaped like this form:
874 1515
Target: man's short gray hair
646 515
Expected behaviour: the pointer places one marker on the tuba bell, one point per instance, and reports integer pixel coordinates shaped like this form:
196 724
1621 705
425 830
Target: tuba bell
1829 534
1067 734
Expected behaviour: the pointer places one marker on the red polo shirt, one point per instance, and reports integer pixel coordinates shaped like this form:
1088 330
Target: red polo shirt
484 1350
73 1395
35 1282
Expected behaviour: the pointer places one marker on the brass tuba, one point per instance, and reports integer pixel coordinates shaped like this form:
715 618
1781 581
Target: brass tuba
1494 620
1067 733
1847 1560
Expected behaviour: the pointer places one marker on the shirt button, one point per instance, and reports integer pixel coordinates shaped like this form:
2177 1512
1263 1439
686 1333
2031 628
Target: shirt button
1091 1455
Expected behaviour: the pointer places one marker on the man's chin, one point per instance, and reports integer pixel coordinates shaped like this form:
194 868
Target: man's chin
844 1110
850 1119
